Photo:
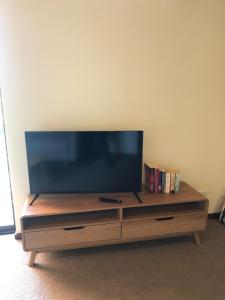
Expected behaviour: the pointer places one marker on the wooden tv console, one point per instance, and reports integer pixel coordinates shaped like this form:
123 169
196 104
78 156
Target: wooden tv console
58 222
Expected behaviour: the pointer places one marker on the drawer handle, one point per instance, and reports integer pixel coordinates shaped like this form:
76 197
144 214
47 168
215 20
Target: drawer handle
164 219
74 228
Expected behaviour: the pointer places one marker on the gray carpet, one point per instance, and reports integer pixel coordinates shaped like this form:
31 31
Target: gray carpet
164 269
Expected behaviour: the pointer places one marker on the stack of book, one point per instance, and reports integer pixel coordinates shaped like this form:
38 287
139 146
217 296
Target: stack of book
159 180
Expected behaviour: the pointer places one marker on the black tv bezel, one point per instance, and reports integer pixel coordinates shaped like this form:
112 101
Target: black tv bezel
139 183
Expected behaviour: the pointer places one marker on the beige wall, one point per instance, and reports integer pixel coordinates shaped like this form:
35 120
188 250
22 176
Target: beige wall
132 64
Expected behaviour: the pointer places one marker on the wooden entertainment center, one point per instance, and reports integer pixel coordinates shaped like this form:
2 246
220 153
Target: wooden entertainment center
59 222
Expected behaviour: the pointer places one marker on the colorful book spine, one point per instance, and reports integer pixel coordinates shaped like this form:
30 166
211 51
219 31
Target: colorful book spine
151 180
167 183
163 180
146 176
172 180
177 182
160 182
156 179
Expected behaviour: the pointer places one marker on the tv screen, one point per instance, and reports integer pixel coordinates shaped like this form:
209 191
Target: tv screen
84 161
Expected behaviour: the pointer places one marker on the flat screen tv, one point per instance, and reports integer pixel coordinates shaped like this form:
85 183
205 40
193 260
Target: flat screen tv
84 161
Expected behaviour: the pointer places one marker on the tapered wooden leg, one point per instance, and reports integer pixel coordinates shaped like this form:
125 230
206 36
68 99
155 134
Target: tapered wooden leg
197 238
32 258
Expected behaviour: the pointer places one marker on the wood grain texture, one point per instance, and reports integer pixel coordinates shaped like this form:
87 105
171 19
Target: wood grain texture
33 255
185 194
168 210
70 220
112 242
77 221
69 203
163 226
73 203
58 237
197 238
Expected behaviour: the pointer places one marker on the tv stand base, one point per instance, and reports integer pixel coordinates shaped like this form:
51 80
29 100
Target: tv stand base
197 238
138 198
34 198
60 222
33 255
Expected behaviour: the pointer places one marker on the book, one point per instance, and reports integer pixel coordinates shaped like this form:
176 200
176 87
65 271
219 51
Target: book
151 180
156 179
172 180
177 182
146 176
152 174
160 182
167 183
163 180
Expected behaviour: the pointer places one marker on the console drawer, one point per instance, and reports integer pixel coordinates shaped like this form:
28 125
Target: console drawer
163 226
69 236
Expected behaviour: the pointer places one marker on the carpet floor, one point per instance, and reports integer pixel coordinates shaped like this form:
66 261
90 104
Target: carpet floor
175 269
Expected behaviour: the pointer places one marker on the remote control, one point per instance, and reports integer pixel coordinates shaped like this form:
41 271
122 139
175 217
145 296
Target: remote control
110 200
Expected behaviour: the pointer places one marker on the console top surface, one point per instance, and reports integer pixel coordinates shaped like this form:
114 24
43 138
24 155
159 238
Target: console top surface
73 203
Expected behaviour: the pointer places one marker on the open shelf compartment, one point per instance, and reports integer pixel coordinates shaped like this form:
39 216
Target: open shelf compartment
159 211
70 220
